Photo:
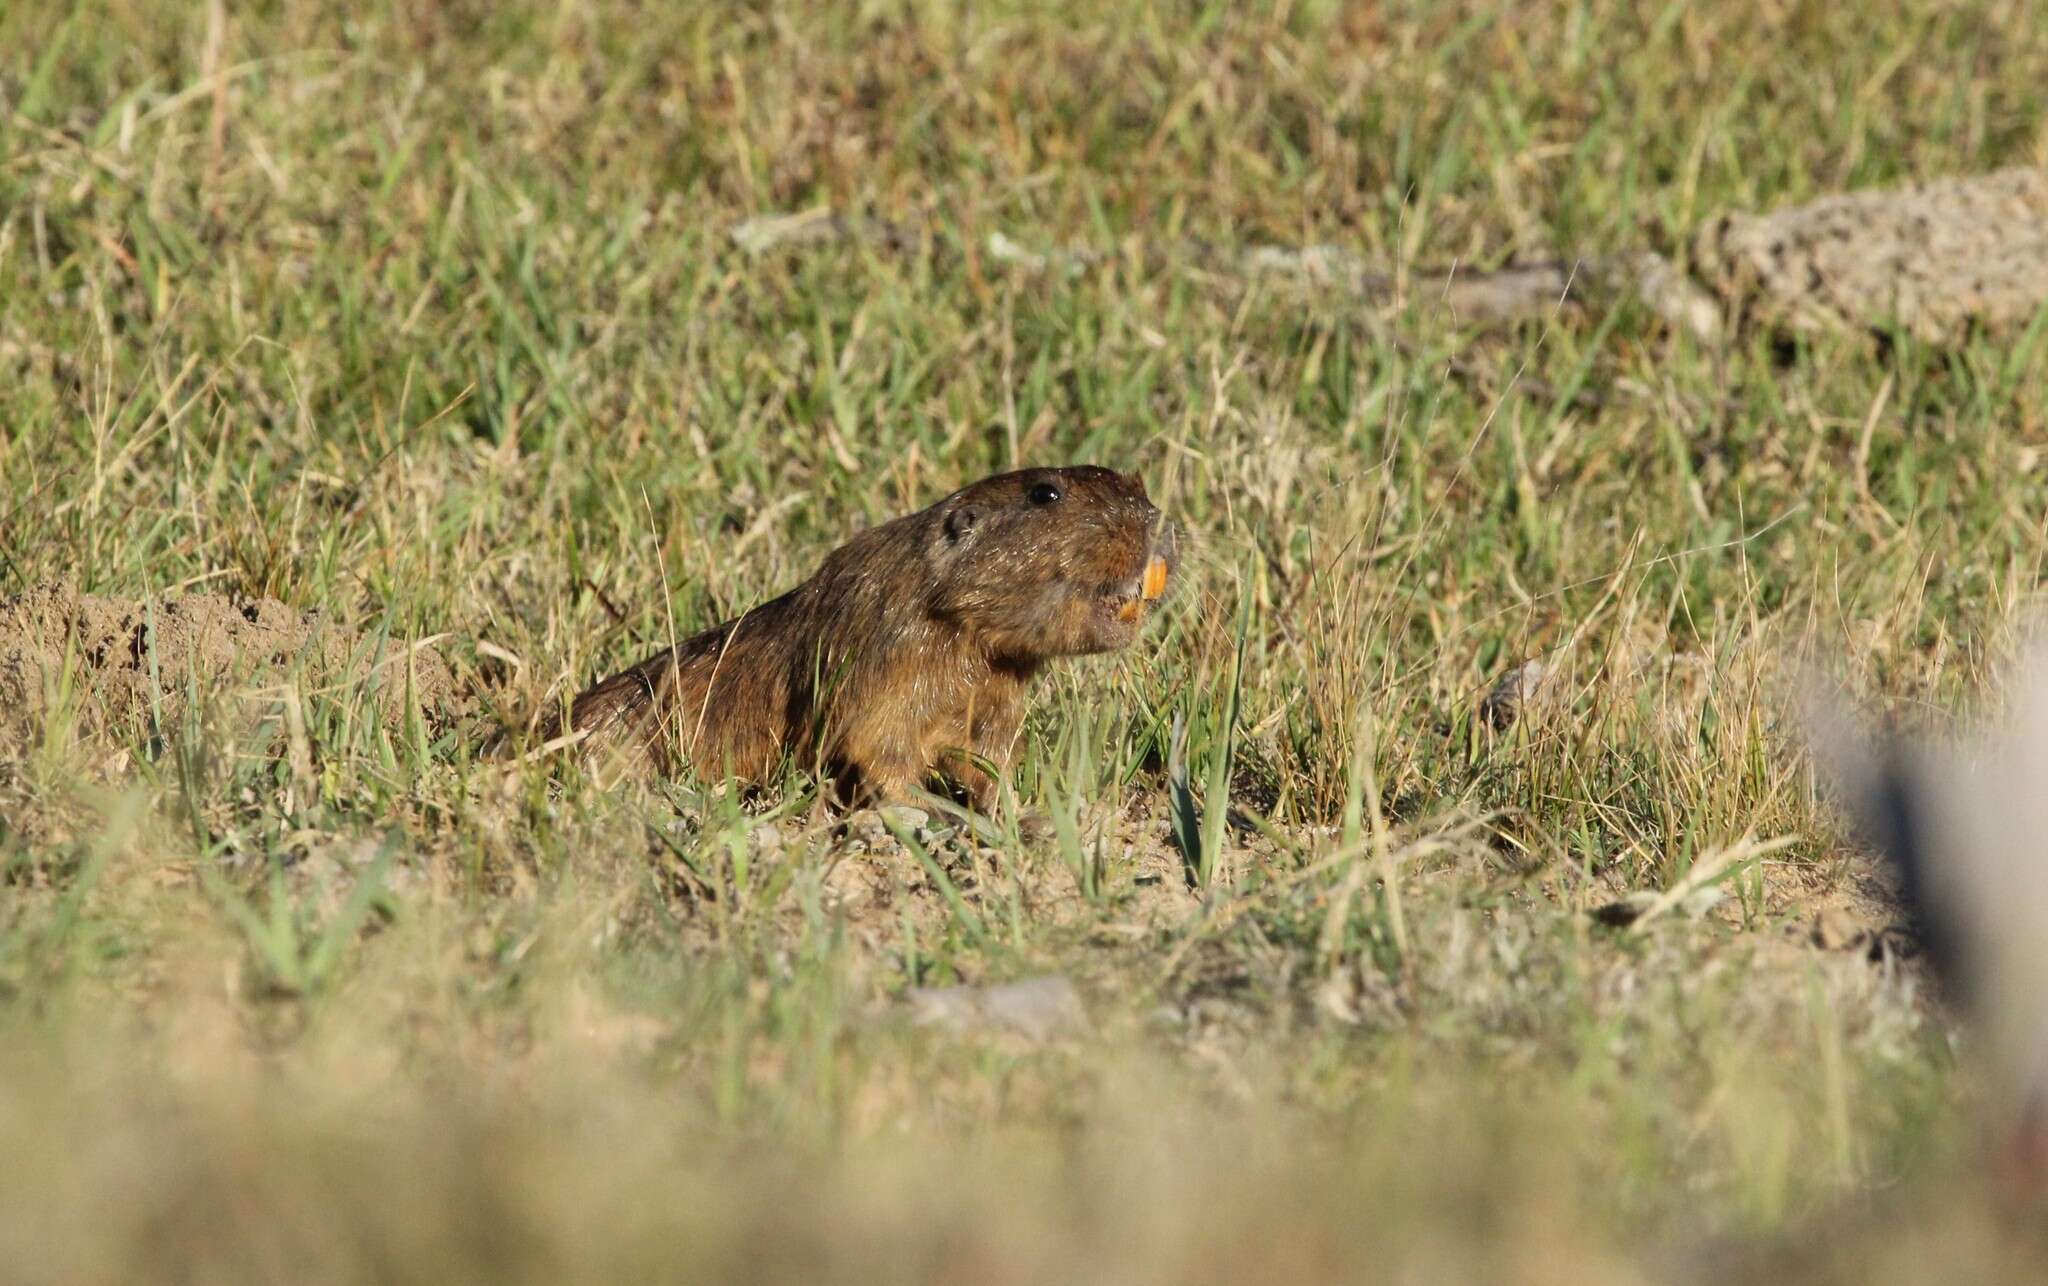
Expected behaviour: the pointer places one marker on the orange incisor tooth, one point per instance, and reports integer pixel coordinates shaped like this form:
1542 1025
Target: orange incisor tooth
1129 610
1155 577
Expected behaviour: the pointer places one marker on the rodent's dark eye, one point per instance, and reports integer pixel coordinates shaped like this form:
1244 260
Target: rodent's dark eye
1044 493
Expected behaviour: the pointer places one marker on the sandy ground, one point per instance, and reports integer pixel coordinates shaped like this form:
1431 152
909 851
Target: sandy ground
114 661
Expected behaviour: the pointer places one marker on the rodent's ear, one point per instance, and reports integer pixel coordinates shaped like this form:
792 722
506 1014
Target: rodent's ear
960 521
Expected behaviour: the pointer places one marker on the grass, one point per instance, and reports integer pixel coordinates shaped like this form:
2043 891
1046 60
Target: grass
428 317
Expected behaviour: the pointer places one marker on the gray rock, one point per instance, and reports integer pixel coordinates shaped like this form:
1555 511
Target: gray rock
1502 706
1036 1008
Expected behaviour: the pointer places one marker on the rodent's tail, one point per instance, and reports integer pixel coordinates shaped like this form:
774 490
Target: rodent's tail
618 703
509 741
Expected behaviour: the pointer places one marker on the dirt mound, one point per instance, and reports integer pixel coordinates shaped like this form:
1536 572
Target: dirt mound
1934 257
122 660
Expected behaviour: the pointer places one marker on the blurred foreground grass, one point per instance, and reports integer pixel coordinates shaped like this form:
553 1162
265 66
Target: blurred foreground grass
429 317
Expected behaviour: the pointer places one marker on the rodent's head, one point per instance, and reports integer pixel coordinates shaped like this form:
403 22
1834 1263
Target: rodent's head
1051 562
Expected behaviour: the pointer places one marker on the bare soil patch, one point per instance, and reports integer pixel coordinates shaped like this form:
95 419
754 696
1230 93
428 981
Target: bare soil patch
115 661
1934 258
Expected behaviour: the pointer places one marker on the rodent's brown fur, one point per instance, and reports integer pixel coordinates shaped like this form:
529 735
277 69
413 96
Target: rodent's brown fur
907 655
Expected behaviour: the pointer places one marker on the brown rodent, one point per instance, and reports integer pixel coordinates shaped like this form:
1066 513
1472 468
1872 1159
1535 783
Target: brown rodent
907 655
